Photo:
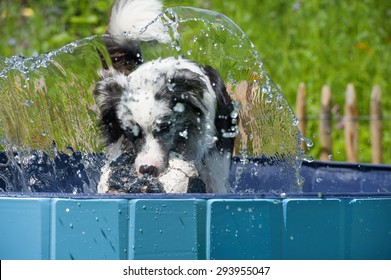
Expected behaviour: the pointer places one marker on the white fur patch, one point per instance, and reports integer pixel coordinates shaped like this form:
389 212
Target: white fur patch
138 106
150 155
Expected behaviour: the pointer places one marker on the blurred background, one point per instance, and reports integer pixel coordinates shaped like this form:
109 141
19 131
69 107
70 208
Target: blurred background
313 42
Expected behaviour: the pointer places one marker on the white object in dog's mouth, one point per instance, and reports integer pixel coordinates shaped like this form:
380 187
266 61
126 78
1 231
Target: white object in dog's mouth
176 178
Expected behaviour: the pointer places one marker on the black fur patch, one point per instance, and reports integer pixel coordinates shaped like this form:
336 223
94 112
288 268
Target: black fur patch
109 123
224 121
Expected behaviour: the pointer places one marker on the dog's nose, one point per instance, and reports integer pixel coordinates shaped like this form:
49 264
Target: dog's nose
148 170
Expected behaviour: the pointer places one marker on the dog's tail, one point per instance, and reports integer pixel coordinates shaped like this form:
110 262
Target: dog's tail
131 16
131 21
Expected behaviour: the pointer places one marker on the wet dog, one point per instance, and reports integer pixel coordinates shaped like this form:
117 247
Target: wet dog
168 124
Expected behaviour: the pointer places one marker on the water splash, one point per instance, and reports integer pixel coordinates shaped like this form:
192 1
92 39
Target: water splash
48 102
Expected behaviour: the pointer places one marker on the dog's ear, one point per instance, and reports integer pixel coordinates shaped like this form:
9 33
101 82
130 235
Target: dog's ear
107 95
226 119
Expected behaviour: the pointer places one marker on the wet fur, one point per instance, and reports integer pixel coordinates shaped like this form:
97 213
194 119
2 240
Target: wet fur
152 110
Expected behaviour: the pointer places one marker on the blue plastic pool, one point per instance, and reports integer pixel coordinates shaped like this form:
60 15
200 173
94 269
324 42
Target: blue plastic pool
344 212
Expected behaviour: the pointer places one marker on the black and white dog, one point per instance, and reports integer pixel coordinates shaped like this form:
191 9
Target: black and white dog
160 118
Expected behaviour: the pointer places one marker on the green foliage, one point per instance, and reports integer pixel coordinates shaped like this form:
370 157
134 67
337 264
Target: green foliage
322 42
31 27
317 42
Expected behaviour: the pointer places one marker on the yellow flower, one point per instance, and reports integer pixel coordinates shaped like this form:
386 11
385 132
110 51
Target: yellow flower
28 12
4 15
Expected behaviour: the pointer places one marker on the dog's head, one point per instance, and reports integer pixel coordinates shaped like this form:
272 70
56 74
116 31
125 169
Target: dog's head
166 105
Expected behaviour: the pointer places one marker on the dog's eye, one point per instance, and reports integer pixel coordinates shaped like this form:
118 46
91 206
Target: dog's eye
163 126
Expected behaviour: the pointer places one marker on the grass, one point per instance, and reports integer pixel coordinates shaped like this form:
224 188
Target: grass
317 42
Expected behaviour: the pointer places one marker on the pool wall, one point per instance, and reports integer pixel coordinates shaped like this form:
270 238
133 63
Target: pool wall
187 227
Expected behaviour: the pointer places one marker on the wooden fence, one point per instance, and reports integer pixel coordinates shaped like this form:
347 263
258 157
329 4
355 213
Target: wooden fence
350 120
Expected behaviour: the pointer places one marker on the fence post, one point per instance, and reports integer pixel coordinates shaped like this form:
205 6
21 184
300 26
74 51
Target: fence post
301 111
325 124
376 125
351 124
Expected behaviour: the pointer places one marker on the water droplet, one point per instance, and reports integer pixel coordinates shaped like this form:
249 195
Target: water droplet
308 143
28 103
170 86
319 180
308 158
183 134
179 107
234 114
189 52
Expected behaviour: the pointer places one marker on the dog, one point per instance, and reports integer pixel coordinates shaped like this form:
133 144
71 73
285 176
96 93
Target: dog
169 119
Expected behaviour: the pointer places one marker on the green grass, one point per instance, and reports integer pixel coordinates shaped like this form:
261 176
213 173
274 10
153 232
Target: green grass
317 42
